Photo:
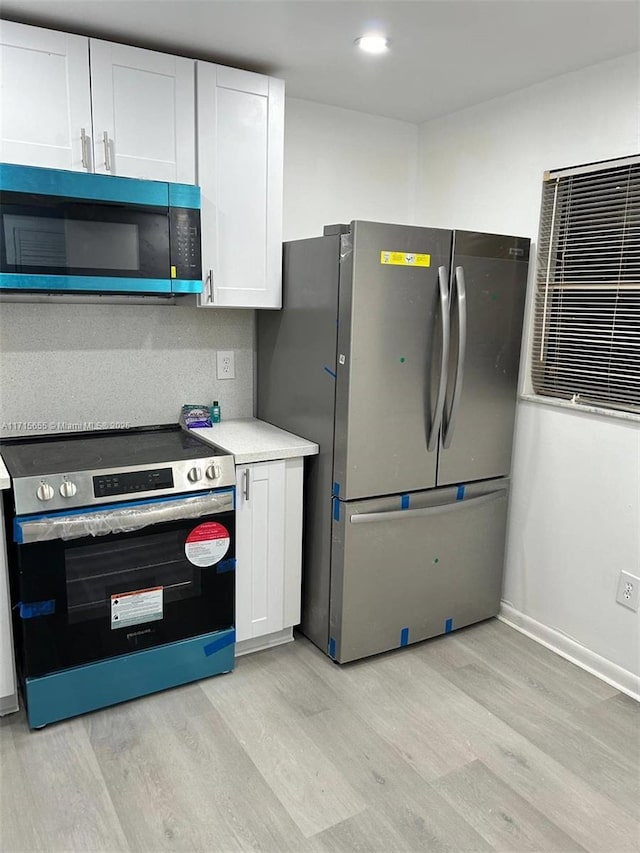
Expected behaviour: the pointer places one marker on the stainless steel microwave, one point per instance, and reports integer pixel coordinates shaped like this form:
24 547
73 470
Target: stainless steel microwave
73 232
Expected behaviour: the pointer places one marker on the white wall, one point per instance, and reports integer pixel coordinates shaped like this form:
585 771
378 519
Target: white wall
575 515
341 165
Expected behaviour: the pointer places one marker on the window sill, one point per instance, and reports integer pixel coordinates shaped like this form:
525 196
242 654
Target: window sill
581 408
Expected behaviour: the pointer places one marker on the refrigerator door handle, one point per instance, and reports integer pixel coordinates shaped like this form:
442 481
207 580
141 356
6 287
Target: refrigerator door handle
424 512
443 280
450 420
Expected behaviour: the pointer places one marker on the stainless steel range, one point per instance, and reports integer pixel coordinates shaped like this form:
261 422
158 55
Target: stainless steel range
122 565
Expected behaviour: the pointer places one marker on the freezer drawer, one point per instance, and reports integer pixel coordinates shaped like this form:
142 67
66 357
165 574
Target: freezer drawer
409 567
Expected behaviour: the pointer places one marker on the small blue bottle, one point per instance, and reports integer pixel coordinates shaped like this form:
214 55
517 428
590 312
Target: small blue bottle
215 412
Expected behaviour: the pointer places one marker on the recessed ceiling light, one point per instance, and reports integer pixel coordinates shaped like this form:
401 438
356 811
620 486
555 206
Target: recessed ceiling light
373 44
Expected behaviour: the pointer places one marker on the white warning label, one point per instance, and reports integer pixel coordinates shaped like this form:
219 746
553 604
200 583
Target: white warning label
136 607
207 544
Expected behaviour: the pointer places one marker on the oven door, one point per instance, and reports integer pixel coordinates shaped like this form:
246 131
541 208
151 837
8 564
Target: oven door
95 584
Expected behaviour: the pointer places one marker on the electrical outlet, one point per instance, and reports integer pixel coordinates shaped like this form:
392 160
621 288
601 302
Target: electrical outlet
628 591
226 364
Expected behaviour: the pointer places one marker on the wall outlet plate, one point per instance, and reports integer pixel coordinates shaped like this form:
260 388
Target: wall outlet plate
628 591
226 364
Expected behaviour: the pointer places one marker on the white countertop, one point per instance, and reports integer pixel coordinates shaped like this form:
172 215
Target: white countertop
5 479
251 440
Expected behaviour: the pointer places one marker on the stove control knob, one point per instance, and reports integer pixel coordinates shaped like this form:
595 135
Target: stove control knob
68 489
213 472
194 475
45 492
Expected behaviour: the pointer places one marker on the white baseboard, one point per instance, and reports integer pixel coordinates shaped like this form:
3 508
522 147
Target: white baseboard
267 641
616 676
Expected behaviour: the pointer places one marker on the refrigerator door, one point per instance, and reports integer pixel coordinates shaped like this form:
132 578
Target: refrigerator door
404 569
393 311
488 288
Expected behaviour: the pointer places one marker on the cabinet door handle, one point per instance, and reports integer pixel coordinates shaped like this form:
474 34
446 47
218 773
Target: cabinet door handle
107 152
210 285
246 483
83 148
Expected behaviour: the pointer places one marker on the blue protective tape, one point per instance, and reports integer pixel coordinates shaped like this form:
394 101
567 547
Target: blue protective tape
336 509
186 285
329 371
404 502
226 566
332 648
336 490
17 532
460 493
448 626
83 185
404 637
31 609
227 638
184 195
84 283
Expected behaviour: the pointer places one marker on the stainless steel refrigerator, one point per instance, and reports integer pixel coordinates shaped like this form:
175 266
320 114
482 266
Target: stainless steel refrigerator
397 351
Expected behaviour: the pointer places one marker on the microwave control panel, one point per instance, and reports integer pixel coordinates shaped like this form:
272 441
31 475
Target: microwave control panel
186 261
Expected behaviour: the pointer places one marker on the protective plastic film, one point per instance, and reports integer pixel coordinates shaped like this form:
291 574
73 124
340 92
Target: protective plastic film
346 246
121 520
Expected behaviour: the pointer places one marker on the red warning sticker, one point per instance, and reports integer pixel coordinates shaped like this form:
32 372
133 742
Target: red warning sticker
207 544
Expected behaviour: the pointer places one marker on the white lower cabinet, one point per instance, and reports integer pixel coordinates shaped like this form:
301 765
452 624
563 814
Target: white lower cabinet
268 552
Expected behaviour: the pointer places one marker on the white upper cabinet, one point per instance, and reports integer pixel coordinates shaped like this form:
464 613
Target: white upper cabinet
45 104
143 113
240 131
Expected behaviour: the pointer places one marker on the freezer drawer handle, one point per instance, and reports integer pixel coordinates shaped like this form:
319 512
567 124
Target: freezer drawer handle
443 280
426 511
450 421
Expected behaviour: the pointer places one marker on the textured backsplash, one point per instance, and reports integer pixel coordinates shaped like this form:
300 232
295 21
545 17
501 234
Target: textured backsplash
98 365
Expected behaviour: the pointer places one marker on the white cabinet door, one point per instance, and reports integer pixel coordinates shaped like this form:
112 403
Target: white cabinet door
45 103
268 547
143 113
240 121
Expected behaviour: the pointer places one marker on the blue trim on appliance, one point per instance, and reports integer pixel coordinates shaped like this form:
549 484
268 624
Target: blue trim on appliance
330 372
332 648
96 685
222 640
448 626
91 283
226 566
404 637
184 195
460 493
186 285
32 609
336 490
404 501
336 509
23 519
58 182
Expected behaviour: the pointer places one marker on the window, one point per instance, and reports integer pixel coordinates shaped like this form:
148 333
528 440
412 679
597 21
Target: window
586 337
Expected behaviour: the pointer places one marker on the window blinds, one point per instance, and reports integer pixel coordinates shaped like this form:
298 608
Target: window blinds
586 339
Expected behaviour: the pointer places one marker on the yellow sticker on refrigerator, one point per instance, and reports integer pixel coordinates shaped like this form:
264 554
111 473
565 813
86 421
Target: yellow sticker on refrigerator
405 259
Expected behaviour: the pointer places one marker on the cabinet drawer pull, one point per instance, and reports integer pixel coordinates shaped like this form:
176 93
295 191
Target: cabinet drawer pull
246 483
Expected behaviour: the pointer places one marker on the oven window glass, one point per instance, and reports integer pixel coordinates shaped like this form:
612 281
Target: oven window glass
38 241
96 572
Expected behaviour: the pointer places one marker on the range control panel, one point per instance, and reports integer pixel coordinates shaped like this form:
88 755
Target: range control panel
131 482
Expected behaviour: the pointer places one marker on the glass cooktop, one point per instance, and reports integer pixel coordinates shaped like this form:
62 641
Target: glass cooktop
87 451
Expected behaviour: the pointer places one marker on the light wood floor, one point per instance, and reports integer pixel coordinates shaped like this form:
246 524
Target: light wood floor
481 740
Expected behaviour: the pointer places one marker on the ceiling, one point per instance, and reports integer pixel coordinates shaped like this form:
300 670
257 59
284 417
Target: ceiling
446 55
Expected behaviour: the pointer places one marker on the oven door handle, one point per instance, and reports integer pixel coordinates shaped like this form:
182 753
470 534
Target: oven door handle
122 518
